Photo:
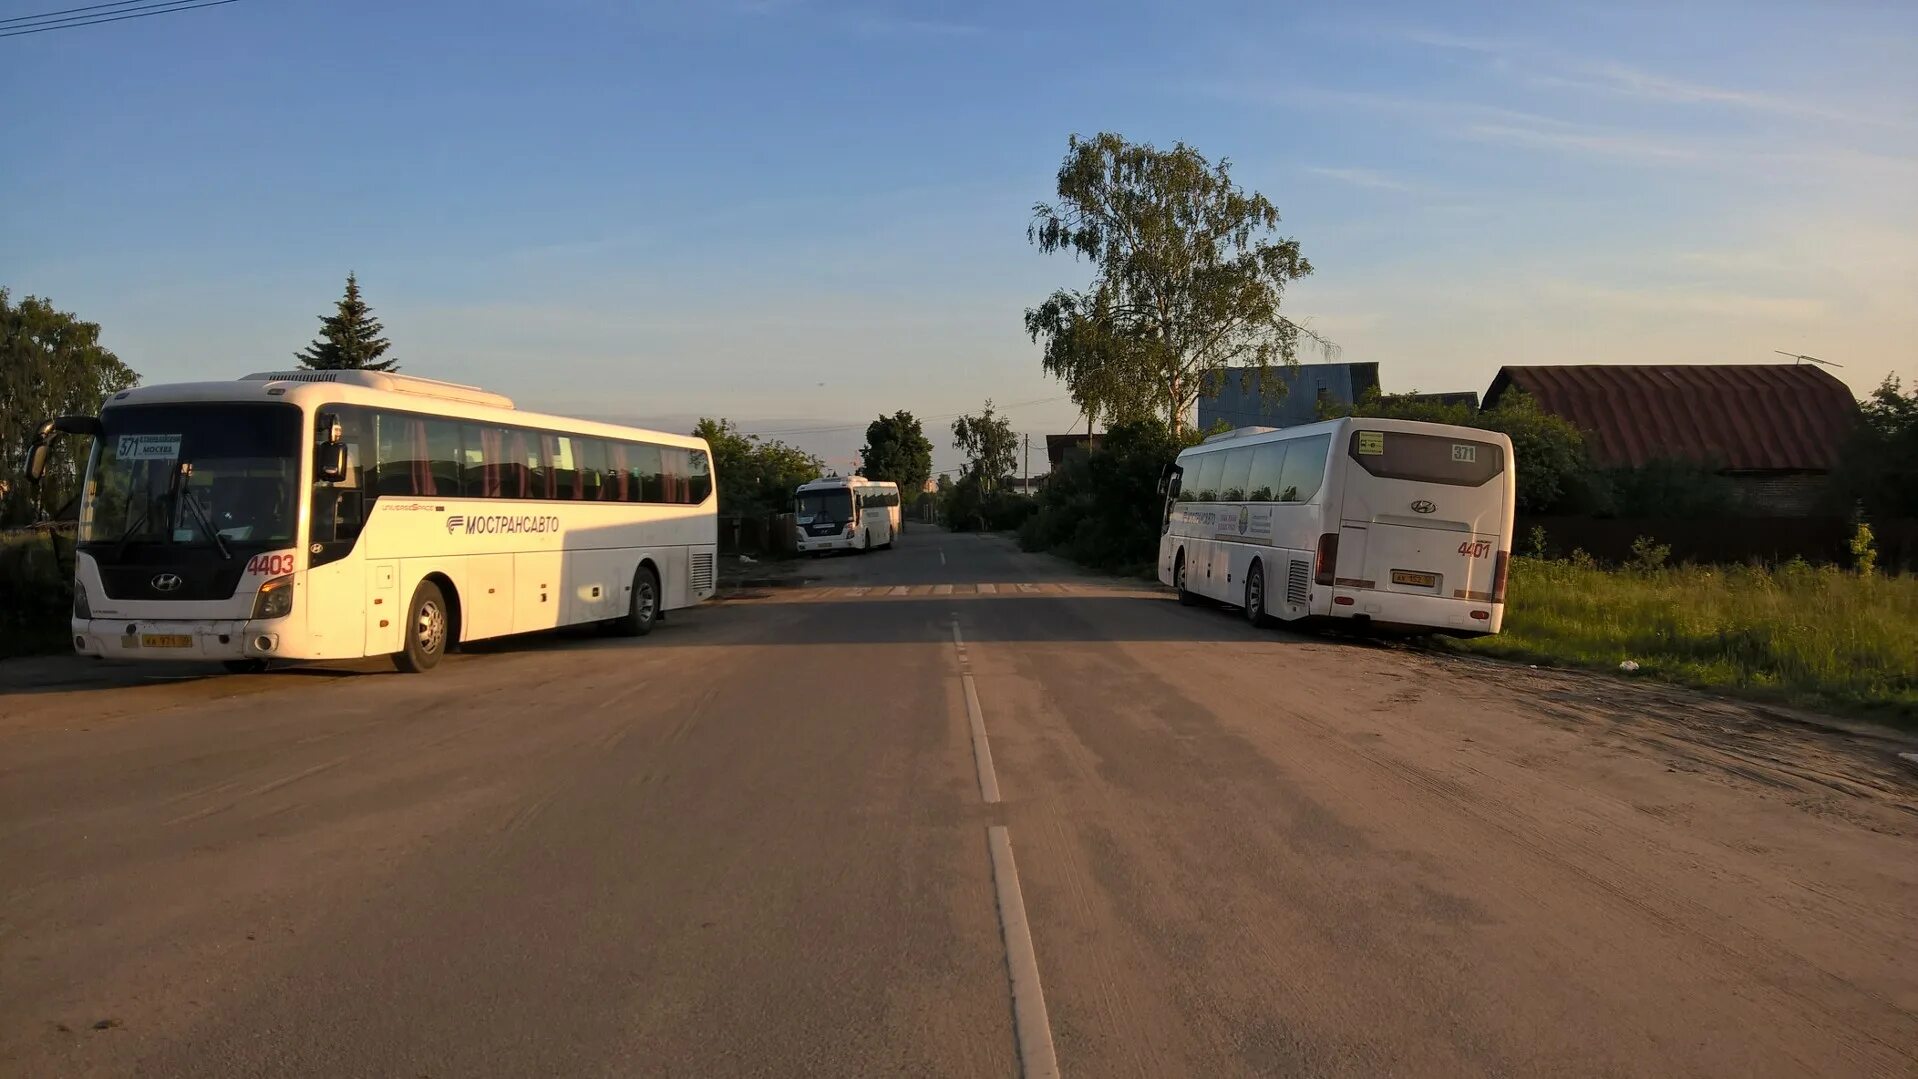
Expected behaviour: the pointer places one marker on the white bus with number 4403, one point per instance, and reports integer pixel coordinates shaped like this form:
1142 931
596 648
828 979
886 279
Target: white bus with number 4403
322 515
1392 524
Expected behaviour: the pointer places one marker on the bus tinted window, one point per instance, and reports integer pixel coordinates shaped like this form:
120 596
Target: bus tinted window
1304 469
699 476
1238 466
1397 455
649 483
1210 467
1263 484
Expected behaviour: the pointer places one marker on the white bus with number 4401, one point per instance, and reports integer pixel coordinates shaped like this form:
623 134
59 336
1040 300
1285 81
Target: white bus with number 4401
1391 524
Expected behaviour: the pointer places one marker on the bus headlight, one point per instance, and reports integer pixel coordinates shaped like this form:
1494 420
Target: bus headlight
275 599
81 608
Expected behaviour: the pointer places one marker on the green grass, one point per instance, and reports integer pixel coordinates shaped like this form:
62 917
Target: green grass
1818 636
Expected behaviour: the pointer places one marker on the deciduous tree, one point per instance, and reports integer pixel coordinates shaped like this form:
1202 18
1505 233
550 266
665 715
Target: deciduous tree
898 450
51 364
1188 277
989 444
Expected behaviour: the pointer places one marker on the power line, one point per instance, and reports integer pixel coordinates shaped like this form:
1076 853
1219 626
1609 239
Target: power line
71 10
921 419
165 7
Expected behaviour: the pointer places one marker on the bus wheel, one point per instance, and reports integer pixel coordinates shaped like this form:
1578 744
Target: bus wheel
867 545
426 625
1186 598
1255 597
643 610
244 666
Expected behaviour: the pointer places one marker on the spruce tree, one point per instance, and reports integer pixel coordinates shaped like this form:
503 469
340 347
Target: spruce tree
349 338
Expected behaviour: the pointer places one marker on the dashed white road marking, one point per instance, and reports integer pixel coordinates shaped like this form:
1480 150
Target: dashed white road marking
981 750
942 558
1030 1026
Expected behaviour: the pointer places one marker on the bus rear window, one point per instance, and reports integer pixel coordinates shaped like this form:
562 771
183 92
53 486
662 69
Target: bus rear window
1398 455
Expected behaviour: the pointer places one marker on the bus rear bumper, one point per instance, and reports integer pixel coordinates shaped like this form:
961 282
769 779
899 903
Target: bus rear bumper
1413 613
179 639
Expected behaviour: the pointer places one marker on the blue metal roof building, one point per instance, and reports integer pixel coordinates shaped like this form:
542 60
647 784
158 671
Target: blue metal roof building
1235 396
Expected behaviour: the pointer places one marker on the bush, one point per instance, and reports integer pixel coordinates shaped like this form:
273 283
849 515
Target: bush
36 591
1102 508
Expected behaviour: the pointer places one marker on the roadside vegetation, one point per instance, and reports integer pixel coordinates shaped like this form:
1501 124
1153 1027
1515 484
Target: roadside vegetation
1814 635
36 591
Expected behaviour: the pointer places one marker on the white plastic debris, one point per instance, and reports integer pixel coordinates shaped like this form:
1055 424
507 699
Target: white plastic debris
1628 666
748 559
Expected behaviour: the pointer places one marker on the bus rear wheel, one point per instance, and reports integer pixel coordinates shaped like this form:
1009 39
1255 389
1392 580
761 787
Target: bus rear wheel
642 610
1255 612
426 626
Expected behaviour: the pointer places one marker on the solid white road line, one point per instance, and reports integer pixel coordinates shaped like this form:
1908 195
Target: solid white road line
1030 1025
981 751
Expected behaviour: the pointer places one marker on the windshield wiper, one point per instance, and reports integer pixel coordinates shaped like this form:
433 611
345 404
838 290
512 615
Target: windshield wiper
146 511
186 477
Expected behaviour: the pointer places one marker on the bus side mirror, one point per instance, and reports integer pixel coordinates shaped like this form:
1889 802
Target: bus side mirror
37 460
329 461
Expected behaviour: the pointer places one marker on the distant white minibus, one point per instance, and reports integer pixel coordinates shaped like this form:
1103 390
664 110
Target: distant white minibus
319 515
1395 524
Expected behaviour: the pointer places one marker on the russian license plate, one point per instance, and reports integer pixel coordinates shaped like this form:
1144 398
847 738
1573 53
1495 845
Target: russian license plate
166 640
1419 580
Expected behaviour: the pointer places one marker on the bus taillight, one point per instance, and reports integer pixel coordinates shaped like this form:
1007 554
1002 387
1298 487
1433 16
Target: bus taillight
1325 567
1500 567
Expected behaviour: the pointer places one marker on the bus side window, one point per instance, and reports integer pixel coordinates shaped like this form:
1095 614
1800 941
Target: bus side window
1304 468
1238 465
1210 466
699 476
648 484
592 465
1268 462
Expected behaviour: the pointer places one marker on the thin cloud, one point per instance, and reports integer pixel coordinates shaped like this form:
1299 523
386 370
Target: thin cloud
1371 179
870 25
1540 66
1589 141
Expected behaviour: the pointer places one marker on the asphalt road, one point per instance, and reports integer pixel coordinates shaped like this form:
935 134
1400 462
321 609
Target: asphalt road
760 842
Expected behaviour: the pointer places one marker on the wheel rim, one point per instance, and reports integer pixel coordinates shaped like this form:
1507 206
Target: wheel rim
1255 594
643 599
429 629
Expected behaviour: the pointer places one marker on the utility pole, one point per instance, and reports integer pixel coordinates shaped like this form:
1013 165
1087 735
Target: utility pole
1027 485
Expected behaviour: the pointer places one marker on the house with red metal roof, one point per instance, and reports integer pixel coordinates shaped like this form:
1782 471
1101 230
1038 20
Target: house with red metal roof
1775 429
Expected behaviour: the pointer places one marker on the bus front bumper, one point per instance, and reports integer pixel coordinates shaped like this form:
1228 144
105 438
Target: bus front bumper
178 639
810 544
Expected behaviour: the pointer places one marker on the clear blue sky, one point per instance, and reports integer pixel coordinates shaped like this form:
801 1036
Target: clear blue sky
803 213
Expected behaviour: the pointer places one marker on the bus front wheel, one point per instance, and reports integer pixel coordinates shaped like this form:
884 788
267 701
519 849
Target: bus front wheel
1186 597
427 624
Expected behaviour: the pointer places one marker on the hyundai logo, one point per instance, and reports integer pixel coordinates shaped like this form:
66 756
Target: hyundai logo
1422 506
167 582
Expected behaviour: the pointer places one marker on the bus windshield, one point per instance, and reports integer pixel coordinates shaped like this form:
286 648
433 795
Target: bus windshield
825 506
239 489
